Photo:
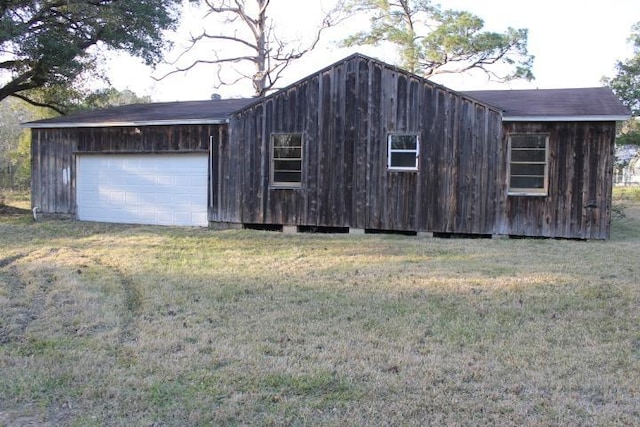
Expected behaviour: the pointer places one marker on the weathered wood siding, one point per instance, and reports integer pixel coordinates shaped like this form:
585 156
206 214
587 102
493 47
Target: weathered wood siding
53 154
345 114
144 139
580 181
53 170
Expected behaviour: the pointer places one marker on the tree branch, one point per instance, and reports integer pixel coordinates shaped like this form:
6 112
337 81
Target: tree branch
18 84
203 61
39 104
269 55
227 38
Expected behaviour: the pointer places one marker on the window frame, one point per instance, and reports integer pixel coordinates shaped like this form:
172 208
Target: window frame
273 159
391 151
524 191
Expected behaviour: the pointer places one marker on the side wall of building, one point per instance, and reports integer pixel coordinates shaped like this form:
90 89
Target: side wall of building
578 204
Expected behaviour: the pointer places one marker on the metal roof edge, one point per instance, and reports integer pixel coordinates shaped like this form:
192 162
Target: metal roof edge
33 125
599 118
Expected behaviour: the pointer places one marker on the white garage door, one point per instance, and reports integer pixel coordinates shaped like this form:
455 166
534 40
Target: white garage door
163 189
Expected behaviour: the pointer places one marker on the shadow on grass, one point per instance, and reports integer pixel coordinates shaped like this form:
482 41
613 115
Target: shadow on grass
12 211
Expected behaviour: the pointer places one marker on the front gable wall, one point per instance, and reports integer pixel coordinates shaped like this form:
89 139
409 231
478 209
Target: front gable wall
345 114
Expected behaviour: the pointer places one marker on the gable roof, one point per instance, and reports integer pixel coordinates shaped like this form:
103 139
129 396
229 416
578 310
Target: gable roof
199 112
158 113
360 57
582 104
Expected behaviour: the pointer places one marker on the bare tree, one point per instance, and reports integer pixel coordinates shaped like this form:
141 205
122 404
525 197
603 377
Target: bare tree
249 36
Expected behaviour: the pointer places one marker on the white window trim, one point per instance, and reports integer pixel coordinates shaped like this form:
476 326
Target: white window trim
282 184
539 192
390 151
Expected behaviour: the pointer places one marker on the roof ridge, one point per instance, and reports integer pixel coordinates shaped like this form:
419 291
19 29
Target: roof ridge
358 55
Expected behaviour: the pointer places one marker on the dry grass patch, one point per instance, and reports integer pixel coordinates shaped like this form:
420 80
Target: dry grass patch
122 325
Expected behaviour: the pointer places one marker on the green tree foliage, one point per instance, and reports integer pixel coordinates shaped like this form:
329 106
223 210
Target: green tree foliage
48 44
626 85
629 132
15 142
111 97
432 40
626 82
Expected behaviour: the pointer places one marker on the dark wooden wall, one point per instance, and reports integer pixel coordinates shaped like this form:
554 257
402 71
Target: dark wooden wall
345 113
580 181
52 159
53 154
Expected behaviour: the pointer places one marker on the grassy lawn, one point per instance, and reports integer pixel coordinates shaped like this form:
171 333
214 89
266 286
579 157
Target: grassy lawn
149 326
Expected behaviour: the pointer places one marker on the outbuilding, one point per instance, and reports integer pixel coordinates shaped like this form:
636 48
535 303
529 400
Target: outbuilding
138 164
358 146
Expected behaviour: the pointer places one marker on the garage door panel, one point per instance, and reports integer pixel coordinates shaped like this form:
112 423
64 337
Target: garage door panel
185 180
143 189
129 164
132 198
90 199
92 179
200 218
93 212
132 180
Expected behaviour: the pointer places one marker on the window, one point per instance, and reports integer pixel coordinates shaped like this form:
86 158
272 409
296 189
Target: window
403 152
286 160
528 164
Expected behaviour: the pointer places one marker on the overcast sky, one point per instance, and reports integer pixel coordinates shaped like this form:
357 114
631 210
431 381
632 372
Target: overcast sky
575 43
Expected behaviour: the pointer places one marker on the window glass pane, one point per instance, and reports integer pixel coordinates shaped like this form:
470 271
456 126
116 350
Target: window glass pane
528 163
403 151
527 169
404 142
287 165
287 153
528 141
288 140
527 182
288 177
286 159
403 160
519 155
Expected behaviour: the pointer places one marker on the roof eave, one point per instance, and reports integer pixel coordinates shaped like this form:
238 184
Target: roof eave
600 118
134 123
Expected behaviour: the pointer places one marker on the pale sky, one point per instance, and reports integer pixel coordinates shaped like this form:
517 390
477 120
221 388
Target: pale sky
575 43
